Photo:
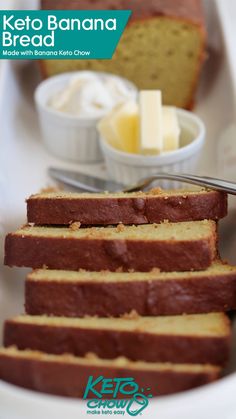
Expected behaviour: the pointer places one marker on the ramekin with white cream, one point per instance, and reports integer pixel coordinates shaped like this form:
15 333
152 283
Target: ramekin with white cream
70 106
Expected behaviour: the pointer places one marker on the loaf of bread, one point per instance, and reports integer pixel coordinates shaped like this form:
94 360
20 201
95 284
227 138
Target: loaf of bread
170 247
163 46
66 375
76 294
193 339
154 206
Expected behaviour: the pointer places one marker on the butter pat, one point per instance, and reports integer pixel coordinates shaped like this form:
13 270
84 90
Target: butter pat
120 127
151 122
171 129
148 128
126 124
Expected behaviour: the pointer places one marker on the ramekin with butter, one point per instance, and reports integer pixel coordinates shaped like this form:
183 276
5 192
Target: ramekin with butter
141 137
70 106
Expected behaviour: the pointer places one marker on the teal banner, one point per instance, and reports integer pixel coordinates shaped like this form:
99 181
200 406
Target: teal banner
61 34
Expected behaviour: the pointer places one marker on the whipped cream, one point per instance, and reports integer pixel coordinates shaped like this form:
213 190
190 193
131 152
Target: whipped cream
91 95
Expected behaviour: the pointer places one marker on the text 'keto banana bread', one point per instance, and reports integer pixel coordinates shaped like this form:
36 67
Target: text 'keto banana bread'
154 206
67 375
194 339
162 47
104 294
168 246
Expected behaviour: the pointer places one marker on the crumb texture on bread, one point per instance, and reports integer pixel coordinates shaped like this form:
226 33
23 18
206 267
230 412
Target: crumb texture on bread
208 325
217 268
191 231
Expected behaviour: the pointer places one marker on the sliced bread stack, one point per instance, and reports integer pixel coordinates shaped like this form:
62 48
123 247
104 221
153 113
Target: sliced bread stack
144 297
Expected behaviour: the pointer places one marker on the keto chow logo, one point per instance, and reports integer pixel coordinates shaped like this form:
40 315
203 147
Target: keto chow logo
61 34
115 396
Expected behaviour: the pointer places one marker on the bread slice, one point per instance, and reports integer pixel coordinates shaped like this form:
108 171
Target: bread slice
76 294
195 339
66 375
170 247
154 206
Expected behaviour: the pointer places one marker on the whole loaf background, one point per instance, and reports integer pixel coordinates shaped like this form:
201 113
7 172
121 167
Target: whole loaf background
162 47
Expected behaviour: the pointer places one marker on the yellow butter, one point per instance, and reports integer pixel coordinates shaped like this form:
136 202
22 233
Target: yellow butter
151 122
146 127
120 127
171 129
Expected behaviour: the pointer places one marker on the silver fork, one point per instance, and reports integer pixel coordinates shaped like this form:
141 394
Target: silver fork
93 184
205 181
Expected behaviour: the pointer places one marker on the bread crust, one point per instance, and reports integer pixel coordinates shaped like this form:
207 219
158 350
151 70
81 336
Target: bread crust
148 298
70 380
99 254
110 343
179 9
127 210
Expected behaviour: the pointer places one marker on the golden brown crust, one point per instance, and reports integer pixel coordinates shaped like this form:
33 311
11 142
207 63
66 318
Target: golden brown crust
111 254
127 210
70 380
110 343
208 293
179 9
202 56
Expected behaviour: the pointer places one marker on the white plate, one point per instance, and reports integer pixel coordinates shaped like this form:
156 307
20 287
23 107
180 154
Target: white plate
23 164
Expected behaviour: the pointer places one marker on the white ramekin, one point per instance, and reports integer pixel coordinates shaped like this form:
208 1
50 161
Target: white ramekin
67 136
129 168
